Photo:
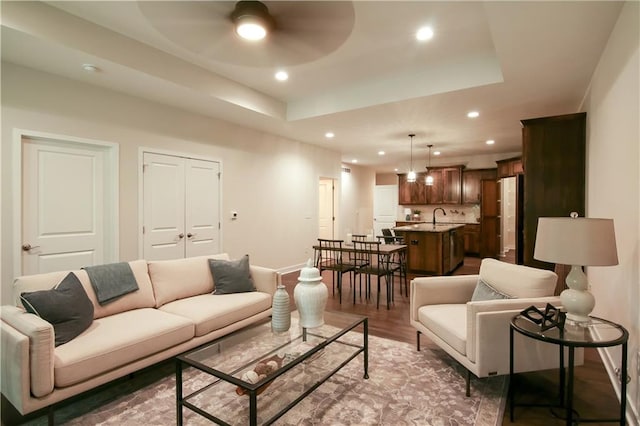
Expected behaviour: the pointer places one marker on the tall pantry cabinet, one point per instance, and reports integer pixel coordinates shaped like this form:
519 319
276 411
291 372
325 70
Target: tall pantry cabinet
553 158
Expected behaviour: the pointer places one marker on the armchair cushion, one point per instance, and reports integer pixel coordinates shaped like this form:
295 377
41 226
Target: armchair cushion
517 280
449 322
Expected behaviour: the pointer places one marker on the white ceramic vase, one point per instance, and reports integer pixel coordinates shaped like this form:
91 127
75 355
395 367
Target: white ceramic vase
310 295
281 312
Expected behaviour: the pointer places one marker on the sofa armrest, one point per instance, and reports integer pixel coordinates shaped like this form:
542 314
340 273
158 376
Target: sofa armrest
488 329
440 290
265 279
27 354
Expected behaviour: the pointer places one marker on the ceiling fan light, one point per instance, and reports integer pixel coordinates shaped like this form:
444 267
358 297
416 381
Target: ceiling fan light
251 29
252 20
411 176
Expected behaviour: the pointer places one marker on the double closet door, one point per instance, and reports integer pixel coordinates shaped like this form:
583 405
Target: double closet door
181 207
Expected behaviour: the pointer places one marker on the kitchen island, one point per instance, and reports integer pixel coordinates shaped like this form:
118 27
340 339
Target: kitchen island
433 249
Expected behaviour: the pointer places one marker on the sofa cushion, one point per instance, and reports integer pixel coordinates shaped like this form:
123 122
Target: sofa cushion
66 307
449 322
231 276
211 312
484 291
180 278
517 280
116 340
143 298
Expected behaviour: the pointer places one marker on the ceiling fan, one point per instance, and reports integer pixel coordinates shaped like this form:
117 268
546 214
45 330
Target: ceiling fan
300 31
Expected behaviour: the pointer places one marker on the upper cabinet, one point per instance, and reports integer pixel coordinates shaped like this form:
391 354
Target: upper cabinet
452 186
509 167
471 184
446 188
412 192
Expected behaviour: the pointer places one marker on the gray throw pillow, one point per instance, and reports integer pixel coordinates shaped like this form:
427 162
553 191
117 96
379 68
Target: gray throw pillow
484 291
66 306
231 276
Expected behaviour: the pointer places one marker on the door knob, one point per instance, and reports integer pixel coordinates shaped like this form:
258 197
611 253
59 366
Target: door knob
190 235
28 247
181 235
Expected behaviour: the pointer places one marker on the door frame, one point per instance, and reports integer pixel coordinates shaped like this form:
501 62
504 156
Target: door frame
141 151
111 152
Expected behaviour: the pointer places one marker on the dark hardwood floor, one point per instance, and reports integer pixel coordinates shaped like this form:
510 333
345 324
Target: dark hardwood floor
594 395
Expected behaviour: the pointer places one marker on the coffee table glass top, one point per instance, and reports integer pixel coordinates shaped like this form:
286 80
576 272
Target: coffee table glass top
301 359
236 354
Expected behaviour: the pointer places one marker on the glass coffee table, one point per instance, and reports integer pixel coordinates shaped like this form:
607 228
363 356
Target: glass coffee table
255 376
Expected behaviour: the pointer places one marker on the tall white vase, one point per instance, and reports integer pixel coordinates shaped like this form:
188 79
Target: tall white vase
280 313
310 295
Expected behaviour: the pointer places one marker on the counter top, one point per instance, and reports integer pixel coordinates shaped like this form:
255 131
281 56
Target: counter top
428 227
413 222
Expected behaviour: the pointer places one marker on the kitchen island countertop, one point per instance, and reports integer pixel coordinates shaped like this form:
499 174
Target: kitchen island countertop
428 227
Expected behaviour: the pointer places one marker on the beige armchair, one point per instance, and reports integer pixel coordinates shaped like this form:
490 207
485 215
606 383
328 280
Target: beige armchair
476 333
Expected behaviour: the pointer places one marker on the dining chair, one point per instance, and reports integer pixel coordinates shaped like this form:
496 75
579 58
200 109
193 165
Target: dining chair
329 257
398 261
377 265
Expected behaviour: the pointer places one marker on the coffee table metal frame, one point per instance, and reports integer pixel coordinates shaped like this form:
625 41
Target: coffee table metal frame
252 389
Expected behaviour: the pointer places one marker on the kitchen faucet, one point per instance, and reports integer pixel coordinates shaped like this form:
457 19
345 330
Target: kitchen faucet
434 214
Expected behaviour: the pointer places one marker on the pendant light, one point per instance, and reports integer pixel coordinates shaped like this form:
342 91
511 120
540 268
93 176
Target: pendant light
411 176
429 180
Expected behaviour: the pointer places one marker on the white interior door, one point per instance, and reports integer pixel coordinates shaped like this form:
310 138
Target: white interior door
385 207
326 213
202 212
63 204
181 207
163 206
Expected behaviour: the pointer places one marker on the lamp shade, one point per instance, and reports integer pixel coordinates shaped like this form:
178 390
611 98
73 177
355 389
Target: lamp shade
576 241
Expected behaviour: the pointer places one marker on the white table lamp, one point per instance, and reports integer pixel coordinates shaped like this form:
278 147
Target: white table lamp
576 241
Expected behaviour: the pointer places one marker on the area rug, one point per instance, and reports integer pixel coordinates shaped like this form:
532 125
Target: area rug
405 387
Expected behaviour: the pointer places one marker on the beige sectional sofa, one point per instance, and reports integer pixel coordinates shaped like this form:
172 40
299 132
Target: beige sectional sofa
172 311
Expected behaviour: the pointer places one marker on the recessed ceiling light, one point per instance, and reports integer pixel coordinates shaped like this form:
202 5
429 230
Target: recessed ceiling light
436 152
473 114
282 76
424 33
395 170
354 160
381 152
89 67
490 142
329 135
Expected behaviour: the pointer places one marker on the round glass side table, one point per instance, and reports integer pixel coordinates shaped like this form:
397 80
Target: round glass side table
598 333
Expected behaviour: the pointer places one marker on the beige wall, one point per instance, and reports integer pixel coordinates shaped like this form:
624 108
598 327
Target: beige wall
272 182
613 182
356 200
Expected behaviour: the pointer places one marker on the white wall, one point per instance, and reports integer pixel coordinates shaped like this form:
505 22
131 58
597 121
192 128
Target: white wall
613 182
356 200
272 182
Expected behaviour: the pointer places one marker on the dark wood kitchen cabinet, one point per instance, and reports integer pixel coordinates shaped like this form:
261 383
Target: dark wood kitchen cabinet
509 167
411 192
471 235
553 158
471 184
446 188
